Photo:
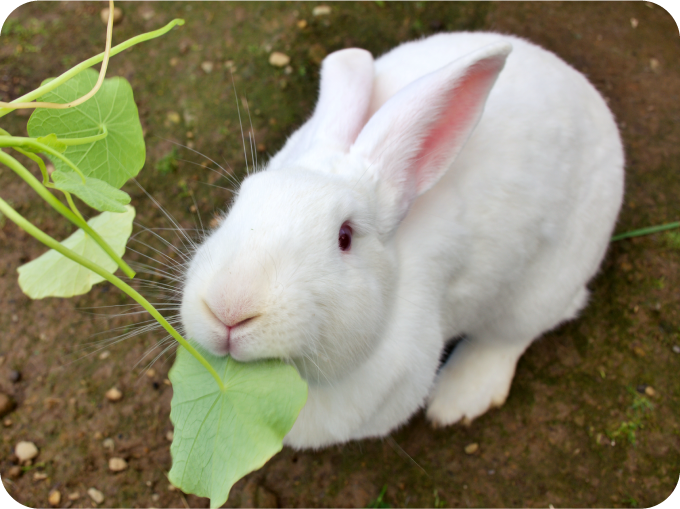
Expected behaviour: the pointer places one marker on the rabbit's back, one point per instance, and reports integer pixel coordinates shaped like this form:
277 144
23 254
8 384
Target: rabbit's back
531 199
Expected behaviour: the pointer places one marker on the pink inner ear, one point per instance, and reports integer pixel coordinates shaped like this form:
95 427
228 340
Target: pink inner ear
454 123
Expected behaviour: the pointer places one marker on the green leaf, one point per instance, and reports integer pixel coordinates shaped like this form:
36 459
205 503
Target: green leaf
51 141
96 193
114 159
54 275
221 436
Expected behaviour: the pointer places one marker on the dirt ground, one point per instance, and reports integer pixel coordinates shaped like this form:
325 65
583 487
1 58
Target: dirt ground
593 417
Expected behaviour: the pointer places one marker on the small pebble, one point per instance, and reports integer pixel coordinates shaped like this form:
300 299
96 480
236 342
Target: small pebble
14 376
170 435
104 355
171 487
54 498
74 496
471 448
634 22
278 59
173 117
14 472
109 444
39 476
8 422
117 15
155 497
676 348
117 464
7 404
207 66
639 351
152 372
302 23
96 495
25 451
146 14
15 318
321 10
654 66
649 391
114 394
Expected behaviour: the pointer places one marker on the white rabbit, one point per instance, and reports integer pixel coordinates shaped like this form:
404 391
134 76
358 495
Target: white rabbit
451 187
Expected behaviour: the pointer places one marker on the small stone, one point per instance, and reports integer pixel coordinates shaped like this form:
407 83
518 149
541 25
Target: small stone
15 318
117 15
302 24
288 69
170 435
151 372
146 13
109 444
117 464
471 448
649 391
97 435
54 498
74 495
114 394
14 376
321 10
104 355
43 336
7 404
278 59
8 422
676 348
654 66
171 487
173 117
50 168
639 351
174 61
207 66
155 497
25 451
14 472
634 22
39 476
96 495
261 147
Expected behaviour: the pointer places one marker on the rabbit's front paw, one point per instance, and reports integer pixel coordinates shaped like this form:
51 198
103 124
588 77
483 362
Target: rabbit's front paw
476 378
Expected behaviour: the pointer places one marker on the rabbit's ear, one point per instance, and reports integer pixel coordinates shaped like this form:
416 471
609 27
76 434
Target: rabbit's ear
342 109
414 137
344 96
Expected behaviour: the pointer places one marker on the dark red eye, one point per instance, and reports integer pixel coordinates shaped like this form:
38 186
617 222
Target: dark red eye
345 237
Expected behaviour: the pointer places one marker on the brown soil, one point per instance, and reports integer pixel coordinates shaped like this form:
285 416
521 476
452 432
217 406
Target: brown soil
576 430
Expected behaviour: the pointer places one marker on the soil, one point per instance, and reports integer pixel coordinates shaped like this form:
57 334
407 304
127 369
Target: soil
580 427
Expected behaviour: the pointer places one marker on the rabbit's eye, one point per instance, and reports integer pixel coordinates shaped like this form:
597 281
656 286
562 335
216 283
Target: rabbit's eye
345 237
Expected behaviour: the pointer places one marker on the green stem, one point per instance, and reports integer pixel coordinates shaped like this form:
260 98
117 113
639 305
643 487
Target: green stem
27 226
48 87
21 141
74 209
39 162
645 231
88 139
63 210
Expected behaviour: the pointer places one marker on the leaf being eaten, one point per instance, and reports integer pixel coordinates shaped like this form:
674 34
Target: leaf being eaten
220 436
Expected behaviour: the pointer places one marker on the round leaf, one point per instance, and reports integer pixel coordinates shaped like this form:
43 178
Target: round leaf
54 275
114 159
220 436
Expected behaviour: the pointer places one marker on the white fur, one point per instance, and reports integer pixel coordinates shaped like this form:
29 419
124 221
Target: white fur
486 227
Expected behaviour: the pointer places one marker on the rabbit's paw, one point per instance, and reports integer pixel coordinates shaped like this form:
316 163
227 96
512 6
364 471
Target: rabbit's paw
476 378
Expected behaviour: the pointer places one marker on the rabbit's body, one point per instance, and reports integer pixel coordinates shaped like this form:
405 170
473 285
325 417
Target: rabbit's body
495 239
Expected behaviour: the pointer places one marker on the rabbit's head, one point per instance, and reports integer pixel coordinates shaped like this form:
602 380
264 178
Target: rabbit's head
304 266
